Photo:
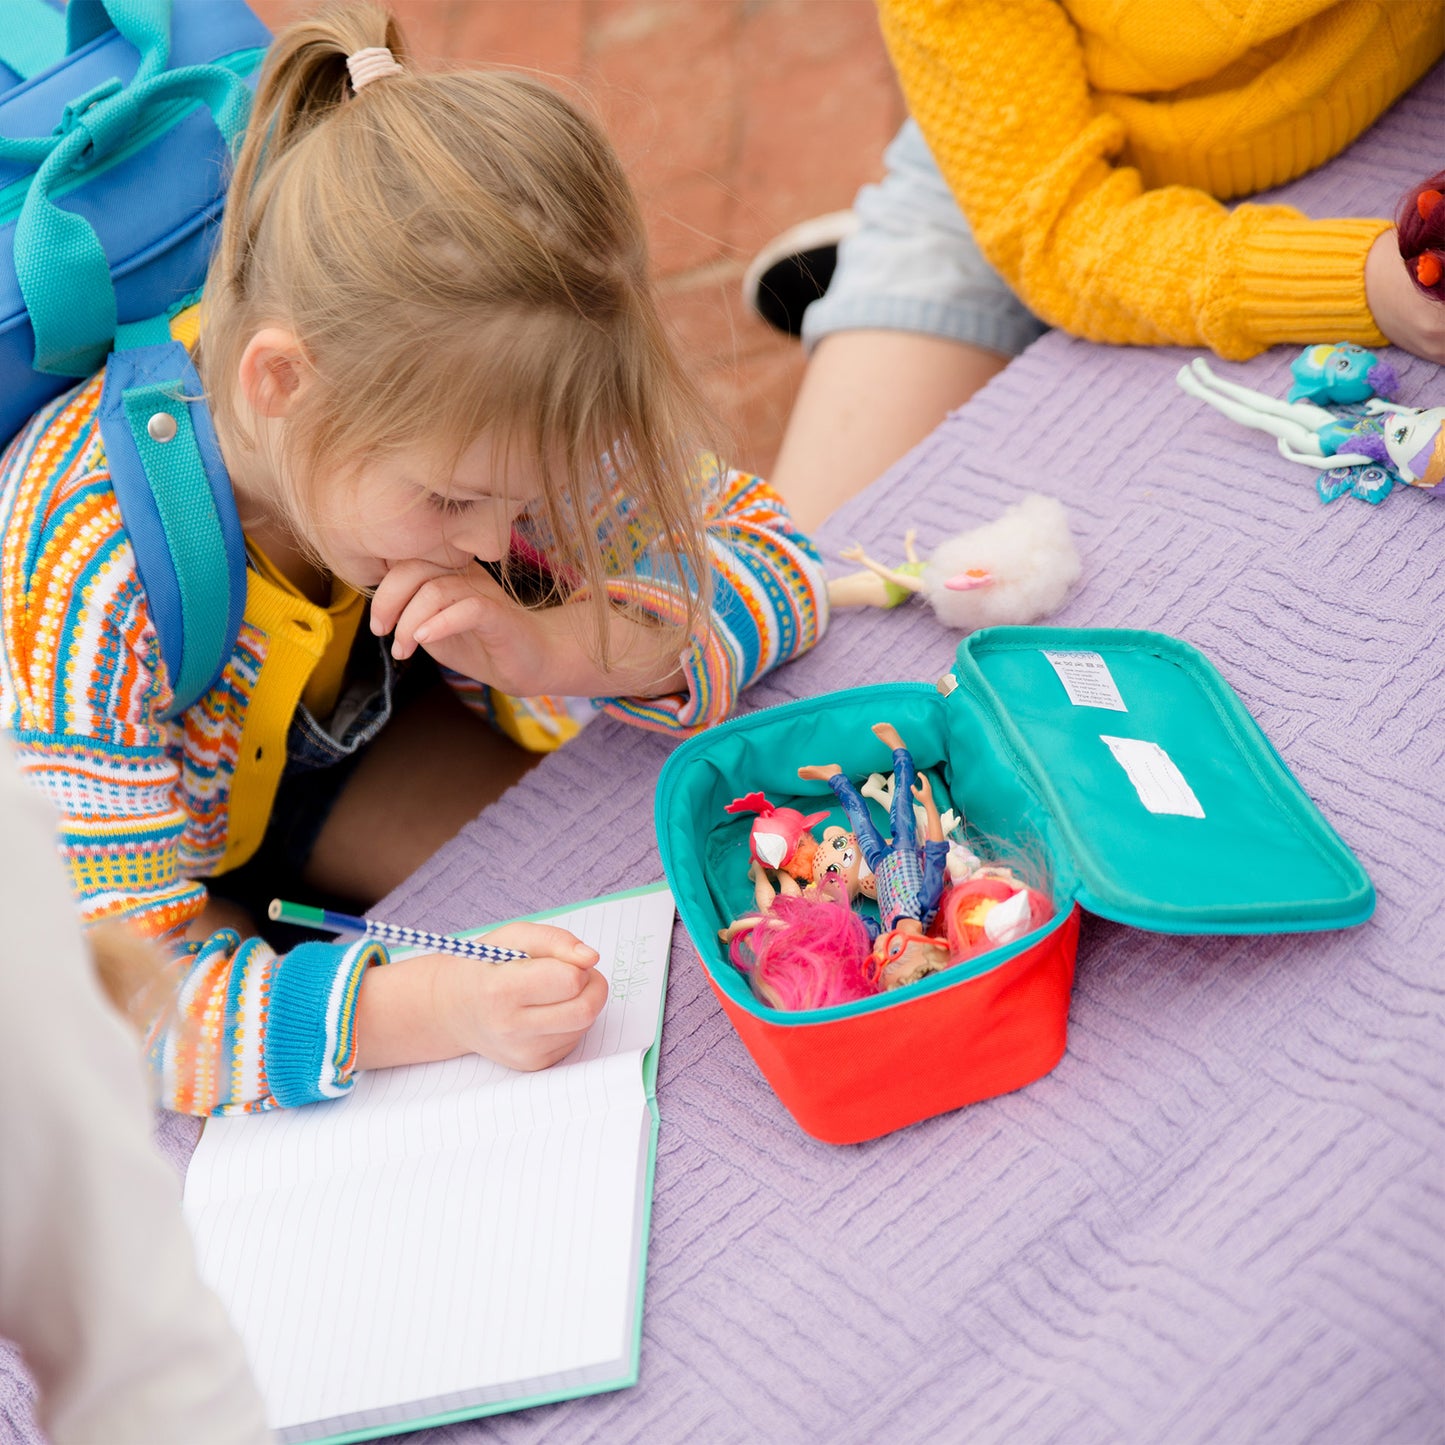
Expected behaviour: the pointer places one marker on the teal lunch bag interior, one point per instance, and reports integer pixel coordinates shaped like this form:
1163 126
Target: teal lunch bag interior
705 850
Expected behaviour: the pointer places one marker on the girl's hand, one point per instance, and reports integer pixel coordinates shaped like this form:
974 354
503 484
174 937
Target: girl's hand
1403 312
526 1014
467 622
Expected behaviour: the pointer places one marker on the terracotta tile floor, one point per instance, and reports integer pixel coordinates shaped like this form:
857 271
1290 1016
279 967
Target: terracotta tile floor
734 118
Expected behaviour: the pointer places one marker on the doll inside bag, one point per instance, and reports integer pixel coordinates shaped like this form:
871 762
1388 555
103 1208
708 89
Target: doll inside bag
949 742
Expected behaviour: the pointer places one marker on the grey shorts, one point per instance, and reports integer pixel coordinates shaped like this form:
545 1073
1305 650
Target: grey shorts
913 265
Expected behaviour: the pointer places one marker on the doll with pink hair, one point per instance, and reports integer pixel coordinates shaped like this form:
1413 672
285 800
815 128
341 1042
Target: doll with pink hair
804 952
802 945
780 838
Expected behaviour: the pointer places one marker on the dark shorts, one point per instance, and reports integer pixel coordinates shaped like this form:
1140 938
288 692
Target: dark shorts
320 761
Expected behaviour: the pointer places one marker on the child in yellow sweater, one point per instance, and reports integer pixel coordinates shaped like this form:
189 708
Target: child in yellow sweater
1065 166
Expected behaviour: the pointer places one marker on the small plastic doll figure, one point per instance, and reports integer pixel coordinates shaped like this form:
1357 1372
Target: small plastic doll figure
1016 569
781 838
880 786
803 946
803 952
766 892
839 861
1341 373
908 878
1406 443
989 909
877 585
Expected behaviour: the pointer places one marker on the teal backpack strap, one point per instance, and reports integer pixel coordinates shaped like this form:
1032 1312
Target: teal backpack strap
179 510
145 23
37 35
32 38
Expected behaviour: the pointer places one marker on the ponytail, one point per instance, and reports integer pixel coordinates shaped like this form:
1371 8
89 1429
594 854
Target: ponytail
303 81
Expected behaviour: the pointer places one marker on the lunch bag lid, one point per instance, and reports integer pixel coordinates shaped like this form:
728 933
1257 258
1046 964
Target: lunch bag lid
1164 794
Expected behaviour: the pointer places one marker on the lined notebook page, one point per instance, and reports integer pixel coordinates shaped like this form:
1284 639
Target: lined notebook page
447 1235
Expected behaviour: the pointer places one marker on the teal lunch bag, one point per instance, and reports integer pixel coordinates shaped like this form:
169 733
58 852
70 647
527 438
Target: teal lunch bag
117 122
1121 759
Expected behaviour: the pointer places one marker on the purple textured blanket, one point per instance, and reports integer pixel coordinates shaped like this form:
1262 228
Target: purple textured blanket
1220 1218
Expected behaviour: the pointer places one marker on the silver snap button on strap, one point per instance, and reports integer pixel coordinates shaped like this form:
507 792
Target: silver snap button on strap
161 427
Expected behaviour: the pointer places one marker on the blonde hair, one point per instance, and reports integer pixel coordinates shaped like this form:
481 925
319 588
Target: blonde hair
458 253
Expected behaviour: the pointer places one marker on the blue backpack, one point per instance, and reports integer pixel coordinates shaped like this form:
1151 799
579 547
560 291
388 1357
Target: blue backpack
117 121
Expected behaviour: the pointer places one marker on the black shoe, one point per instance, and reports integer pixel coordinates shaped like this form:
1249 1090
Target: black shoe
793 270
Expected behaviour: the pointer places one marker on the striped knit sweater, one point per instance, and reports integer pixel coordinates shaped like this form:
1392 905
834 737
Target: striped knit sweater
149 807
1089 143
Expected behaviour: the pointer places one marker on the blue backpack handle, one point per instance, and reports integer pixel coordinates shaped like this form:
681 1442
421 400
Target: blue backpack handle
59 261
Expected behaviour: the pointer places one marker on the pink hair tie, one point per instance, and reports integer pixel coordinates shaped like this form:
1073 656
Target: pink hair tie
371 64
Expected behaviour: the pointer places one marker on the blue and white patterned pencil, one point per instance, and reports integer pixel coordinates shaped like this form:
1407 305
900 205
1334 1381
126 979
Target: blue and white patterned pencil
329 921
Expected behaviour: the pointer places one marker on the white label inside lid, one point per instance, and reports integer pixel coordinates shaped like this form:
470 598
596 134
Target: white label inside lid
1159 783
1087 680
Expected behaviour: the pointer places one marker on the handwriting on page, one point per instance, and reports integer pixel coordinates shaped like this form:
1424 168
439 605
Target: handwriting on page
630 967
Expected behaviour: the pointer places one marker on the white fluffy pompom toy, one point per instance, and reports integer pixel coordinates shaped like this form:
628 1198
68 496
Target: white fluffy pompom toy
1015 570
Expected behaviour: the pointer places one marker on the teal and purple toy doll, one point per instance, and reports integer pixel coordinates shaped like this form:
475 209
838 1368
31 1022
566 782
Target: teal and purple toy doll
1372 445
1341 373
1365 453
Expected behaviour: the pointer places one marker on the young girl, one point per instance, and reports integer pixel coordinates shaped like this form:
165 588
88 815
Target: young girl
437 372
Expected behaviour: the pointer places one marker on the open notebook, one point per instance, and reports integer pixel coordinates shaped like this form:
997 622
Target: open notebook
452 1239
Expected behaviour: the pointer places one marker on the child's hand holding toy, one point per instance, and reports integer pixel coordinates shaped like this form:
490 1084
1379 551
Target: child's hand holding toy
1405 300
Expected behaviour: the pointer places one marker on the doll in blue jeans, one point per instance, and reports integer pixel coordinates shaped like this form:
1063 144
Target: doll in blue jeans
910 877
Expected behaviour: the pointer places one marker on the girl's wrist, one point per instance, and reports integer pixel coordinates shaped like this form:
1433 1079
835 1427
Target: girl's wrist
404 1013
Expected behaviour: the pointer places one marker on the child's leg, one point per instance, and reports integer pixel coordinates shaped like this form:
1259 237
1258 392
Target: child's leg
867 398
914 322
430 772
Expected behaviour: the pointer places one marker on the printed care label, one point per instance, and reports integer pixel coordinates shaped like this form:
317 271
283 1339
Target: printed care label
1160 785
1087 680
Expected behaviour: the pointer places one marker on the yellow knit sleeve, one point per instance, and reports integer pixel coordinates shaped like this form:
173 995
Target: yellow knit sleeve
1000 91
